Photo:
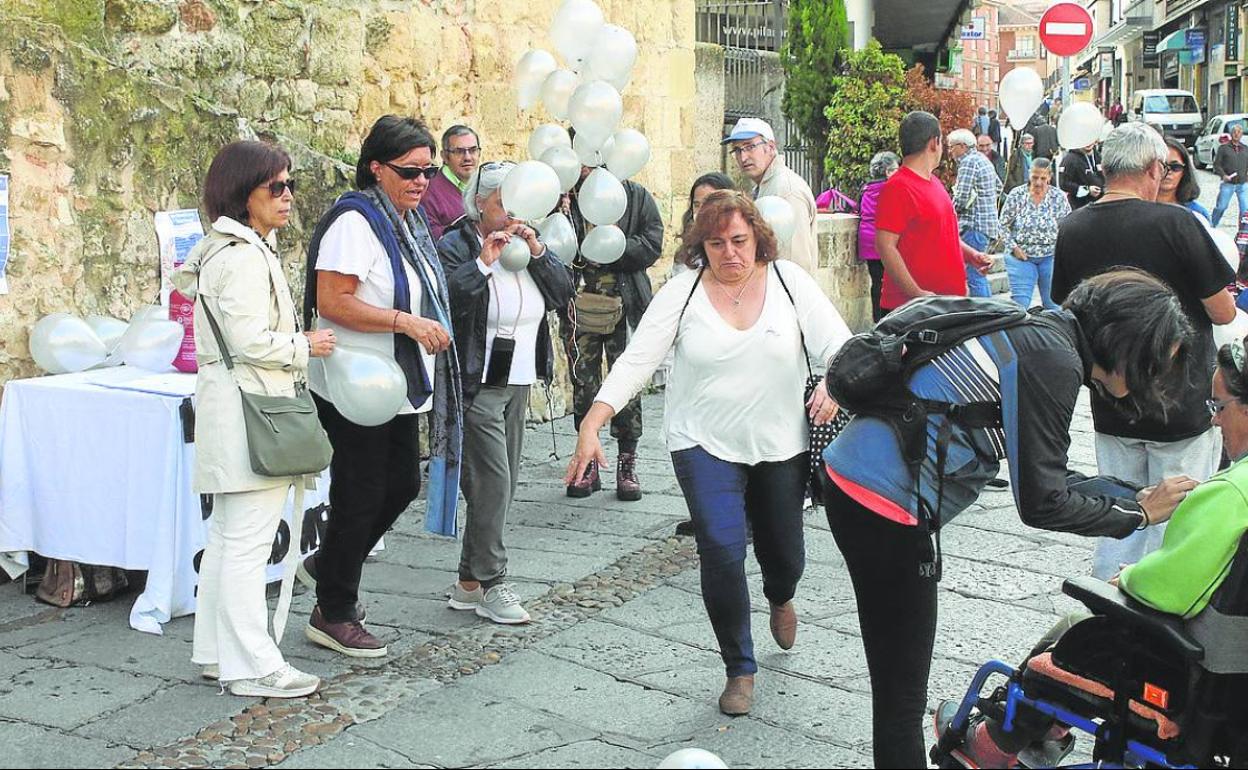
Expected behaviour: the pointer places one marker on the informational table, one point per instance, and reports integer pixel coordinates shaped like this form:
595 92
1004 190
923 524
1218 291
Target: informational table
96 467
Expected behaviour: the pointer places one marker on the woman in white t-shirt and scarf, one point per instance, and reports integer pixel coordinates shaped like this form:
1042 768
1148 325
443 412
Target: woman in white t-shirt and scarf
734 416
504 346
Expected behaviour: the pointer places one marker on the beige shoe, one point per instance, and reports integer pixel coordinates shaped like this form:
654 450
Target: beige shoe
784 624
211 672
738 695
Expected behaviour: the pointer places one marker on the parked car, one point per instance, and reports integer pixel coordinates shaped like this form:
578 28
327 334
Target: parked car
1172 110
1216 132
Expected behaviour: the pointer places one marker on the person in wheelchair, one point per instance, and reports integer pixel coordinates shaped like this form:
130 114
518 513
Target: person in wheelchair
1190 607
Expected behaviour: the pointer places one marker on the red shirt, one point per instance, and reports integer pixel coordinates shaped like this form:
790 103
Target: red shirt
921 212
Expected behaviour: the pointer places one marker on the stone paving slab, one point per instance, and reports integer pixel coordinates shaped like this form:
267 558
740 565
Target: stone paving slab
29 745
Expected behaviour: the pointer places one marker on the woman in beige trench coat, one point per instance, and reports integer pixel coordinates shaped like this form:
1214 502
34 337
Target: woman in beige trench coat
234 273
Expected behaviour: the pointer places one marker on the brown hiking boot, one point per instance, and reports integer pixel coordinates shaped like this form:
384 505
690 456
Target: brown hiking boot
738 695
589 482
349 638
784 624
627 487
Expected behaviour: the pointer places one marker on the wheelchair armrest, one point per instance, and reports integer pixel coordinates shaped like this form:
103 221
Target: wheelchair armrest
1104 599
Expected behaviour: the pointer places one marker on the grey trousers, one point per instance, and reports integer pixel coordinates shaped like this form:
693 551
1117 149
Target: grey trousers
493 439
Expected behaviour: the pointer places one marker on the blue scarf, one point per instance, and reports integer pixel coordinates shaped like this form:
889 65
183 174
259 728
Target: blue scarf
406 239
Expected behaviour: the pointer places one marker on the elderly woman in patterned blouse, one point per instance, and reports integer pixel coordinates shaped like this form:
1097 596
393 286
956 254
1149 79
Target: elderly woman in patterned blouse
1029 220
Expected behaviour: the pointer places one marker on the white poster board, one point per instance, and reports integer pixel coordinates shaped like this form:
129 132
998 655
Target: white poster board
177 232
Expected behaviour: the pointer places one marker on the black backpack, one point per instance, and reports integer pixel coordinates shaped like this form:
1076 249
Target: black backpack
870 375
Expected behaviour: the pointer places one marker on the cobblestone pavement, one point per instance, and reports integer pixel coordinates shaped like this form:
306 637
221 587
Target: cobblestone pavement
618 669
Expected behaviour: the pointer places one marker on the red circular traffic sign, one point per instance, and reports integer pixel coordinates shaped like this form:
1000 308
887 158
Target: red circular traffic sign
1066 29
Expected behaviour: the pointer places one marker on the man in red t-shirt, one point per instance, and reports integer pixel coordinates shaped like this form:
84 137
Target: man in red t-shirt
916 227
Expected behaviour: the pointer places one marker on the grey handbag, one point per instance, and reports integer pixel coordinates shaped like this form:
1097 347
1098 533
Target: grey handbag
284 435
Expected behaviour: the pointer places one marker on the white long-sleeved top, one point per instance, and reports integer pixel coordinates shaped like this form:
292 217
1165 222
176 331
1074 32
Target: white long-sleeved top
738 394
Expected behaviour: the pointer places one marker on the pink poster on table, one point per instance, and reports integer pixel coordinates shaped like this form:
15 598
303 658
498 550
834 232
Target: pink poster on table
177 232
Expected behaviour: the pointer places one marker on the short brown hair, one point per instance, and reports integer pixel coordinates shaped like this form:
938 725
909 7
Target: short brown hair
716 210
239 168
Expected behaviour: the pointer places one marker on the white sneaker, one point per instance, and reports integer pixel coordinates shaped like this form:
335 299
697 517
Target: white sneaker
286 682
501 604
459 599
211 672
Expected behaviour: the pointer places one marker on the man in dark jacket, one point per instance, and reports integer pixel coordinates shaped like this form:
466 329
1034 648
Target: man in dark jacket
1231 163
983 143
994 128
1045 134
1081 177
624 280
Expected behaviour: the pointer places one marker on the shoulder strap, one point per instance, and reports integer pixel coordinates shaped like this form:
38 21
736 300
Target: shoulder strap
226 356
689 299
800 334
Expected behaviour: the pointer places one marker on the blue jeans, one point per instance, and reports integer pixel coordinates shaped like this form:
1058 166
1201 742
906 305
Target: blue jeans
976 282
1025 274
721 497
1224 199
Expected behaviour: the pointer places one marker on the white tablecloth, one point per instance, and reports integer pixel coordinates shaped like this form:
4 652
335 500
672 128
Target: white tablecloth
94 469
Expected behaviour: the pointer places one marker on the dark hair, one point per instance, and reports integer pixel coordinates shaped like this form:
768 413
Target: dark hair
714 180
916 130
716 210
1235 379
992 113
454 131
1134 324
1188 189
239 168
390 137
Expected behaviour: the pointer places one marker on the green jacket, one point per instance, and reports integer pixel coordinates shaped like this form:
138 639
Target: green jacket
1196 552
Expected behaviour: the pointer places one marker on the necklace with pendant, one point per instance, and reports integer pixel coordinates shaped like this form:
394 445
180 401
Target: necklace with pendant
736 301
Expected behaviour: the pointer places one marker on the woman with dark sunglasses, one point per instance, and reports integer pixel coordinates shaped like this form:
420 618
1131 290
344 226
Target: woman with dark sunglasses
373 276
1179 185
504 347
235 275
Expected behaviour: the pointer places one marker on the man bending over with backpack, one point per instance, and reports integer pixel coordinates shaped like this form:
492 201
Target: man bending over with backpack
978 400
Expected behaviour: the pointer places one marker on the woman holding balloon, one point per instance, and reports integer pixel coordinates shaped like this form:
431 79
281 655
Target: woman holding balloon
374 278
502 281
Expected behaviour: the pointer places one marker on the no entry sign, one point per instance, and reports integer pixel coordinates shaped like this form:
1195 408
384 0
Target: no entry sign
1066 29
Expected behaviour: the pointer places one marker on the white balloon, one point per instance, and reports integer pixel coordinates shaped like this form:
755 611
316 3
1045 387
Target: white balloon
557 233
153 344
613 53
531 72
1079 125
1020 94
530 190
110 331
515 255
1225 334
603 245
557 89
602 199
595 109
366 387
692 759
566 164
575 27
629 153
546 136
591 150
778 213
62 343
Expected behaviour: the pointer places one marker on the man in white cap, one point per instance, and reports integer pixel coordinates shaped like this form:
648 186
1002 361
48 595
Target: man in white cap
754 146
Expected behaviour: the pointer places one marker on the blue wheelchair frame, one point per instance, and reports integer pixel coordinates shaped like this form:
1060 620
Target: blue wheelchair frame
1136 755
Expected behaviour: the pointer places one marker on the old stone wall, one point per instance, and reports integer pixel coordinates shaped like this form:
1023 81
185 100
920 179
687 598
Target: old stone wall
843 277
110 110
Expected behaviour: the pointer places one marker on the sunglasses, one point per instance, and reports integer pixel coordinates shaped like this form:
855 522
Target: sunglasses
278 189
408 173
1174 167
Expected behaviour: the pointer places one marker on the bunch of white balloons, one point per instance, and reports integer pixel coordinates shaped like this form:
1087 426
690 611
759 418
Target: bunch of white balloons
62 343
599 60
1021 93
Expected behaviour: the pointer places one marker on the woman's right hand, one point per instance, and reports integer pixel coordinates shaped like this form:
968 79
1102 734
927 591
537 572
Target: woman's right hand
1020 254
321 342
430 334
588 449
1160 501
493 246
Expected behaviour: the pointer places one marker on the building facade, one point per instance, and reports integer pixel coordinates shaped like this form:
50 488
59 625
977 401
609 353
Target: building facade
976 67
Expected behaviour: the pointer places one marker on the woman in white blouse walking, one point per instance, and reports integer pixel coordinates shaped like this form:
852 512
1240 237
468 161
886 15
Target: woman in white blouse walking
734 417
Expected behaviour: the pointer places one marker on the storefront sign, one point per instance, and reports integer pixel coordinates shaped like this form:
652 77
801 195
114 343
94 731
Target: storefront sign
1150 40
975 30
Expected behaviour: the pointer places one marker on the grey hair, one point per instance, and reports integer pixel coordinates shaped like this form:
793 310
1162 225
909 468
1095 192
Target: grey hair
1131 149
1025 137
1042 164
881 162
962 136
482 184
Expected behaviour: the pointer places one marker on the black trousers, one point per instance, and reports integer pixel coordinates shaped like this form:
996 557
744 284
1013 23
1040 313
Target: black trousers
876 268
375 475
897 616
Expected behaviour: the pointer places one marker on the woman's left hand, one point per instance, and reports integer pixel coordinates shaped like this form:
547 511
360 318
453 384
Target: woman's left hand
529 235
822 407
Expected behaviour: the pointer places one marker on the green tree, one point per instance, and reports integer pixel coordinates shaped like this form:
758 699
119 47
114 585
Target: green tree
865 105
818 37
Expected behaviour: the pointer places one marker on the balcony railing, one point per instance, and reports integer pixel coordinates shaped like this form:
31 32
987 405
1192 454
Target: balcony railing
1022 54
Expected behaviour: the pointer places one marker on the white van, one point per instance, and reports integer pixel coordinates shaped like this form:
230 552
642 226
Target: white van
1173 110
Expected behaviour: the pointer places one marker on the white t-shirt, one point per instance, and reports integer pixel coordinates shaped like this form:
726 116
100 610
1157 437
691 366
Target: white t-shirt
517 308
738 394
350 247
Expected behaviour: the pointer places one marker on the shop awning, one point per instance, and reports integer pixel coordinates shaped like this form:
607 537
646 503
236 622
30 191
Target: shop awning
910 24
1175 41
